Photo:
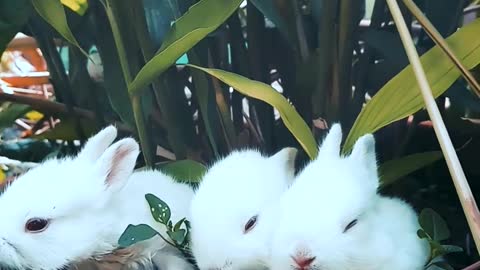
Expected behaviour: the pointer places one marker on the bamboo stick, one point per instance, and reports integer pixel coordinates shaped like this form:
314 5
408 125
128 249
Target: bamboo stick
464 192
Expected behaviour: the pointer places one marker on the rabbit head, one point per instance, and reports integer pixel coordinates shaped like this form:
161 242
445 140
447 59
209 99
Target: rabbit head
232 211
324 221
55 213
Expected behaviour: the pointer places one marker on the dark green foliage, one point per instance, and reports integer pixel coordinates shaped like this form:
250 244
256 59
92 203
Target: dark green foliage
315 50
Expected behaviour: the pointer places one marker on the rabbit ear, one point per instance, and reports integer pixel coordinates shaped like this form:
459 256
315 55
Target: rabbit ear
97 144
363 153
331 144
118 162
286 157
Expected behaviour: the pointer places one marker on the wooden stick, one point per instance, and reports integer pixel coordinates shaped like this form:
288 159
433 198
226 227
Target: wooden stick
464 192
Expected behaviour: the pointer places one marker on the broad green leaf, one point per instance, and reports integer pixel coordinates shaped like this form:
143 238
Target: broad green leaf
13 16
451 249
393 170
159 209
184 170
79 6
53 13
136 233
66 130
255 89
401 96
281 13
200 20
434 225
9 112
178 236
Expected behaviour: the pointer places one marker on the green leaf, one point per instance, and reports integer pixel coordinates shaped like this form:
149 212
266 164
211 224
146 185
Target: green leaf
434 225
179 224
451 249
292 120
281 13
53 13
178 236
114 80
401 96
9 112
136 233
393 170
200 20
184 170
79 6
159 209
13 16
66 130
442 265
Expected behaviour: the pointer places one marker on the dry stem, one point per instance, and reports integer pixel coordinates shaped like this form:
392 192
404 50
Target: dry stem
458 176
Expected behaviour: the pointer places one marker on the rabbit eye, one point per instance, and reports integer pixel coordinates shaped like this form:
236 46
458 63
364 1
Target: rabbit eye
36 225
250 224
350 225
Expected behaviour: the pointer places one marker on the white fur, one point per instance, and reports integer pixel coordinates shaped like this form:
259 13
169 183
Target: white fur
90 200
327 195
234 189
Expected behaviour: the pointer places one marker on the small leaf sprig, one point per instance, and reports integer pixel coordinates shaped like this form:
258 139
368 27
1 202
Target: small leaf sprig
161 213
434 229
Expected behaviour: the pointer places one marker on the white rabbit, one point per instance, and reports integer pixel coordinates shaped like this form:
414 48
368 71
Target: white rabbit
69 210
333 218
232 211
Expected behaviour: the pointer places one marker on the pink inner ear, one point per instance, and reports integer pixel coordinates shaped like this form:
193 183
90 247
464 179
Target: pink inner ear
116 164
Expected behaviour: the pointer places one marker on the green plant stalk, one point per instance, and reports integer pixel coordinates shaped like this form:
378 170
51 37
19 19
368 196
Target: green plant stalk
224 111
179 135
464 192
135 100
239 65
348 25
260 113
118 40
301 39
326 36
60 80
440 41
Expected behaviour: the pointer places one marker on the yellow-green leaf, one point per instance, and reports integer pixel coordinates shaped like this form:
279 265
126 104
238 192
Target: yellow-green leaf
293 121
78 6
392 170
53 13
200 20
401 96
184 170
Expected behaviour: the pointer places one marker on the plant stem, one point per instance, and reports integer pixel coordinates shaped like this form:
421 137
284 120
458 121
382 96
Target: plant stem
135 100
440 41
464 192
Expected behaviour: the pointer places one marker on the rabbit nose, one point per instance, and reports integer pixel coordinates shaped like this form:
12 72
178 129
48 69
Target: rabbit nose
303 262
